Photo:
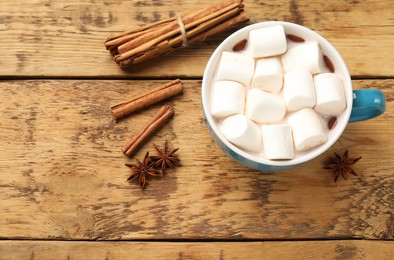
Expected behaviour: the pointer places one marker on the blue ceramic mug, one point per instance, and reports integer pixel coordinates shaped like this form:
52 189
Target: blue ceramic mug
361 104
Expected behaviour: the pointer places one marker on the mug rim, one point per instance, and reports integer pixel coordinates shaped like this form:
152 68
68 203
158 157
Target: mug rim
208 77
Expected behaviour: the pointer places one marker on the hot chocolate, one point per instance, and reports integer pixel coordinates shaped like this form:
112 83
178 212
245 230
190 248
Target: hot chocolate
274 100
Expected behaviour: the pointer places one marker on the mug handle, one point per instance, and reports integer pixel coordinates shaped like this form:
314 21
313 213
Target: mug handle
367 104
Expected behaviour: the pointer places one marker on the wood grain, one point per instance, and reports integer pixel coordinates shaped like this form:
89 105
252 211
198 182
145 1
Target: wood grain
63 175
340 249
65 38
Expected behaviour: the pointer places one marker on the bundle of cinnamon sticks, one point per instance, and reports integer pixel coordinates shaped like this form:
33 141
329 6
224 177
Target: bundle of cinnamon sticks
163 37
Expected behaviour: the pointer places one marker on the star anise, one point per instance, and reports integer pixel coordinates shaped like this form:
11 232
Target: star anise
341 165
166 157
141 170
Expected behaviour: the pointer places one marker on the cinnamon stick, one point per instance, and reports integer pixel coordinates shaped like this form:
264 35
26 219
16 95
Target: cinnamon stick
146 99
146 132
163 37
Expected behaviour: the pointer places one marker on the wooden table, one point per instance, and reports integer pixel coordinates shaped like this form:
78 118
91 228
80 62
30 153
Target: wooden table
63 188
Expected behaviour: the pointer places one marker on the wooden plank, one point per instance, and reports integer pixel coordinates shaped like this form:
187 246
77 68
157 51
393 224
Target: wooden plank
63 175
65 38
340 249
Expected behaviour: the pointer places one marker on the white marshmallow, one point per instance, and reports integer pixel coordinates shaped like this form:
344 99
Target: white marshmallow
330 94
268 41
228 98
306 56
307 128
242 132
277 142
298 90
237 67
268 75
264 107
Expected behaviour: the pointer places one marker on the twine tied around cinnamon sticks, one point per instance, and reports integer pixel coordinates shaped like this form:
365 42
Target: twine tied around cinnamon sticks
165 36
183 30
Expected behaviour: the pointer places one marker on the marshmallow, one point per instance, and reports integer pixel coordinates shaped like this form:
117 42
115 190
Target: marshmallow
264 107
277 142
228 98
298 90
237 67
307 128
268 41
306 56
242 132
330 94
268 75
